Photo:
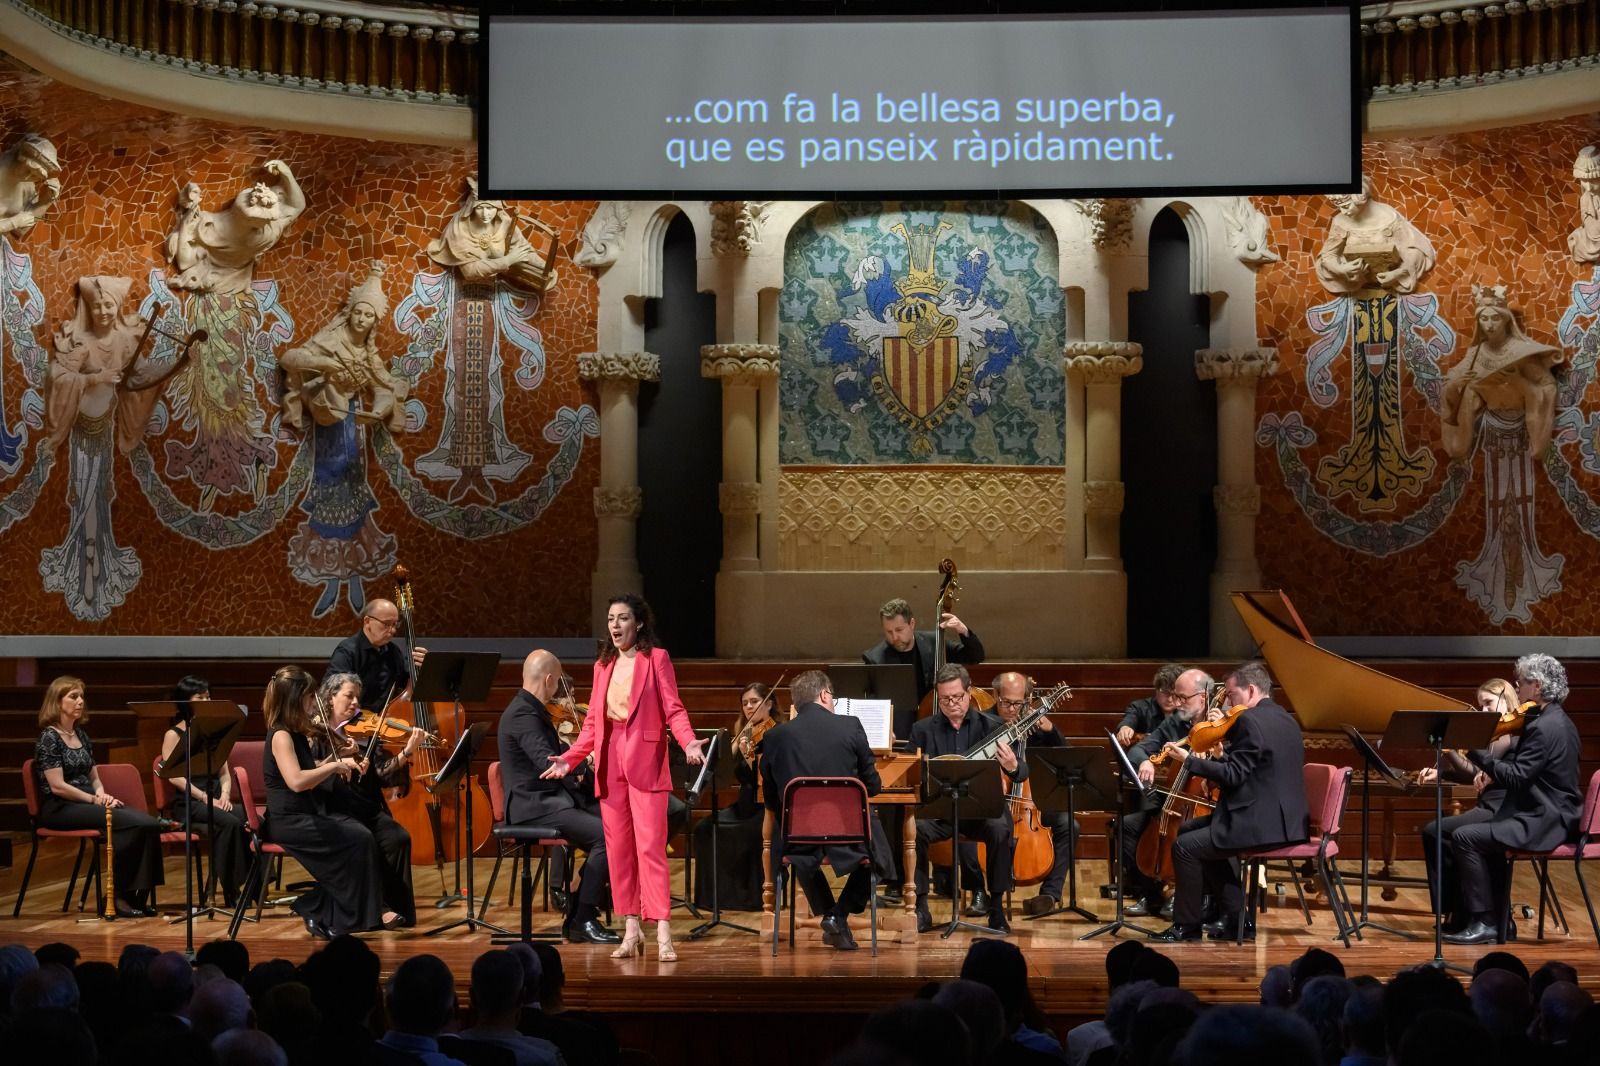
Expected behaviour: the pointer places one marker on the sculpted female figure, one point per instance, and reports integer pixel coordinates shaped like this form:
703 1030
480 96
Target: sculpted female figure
482 241
1371 245
1503 370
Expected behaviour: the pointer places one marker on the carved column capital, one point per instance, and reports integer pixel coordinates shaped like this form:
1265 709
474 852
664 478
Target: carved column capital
1102 362
618 503
736 226
1236 499
1235 366
739 364
619 366
739 497
1102 497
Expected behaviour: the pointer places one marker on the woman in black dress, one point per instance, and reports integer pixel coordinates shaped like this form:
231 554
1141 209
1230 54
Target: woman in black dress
71 797
230 850
738 849
336 849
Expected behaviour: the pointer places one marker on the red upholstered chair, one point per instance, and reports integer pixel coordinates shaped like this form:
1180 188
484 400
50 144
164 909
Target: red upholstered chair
1587 846
249 754
122 780
30 791
818 812
261 851
507 842
1327 788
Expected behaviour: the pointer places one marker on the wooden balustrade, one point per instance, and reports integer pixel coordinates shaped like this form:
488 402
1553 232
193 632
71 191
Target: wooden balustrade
1424 50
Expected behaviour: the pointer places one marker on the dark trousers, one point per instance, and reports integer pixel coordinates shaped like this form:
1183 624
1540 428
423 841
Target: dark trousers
1064 840
1480 871
806 864
1449 880
135 840
394 843
230 846
1203 869
994 833
1136 882
582 827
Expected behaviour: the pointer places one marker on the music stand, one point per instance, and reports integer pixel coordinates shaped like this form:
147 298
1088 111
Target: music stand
454 677
213 726
715 774
1375 764
685 775
1070 780
1421 731
456 771
895 682
977 781
1130 777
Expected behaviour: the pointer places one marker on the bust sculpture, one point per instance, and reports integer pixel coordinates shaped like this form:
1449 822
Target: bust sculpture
1584 242
29 183
483 242
216 251
1371 245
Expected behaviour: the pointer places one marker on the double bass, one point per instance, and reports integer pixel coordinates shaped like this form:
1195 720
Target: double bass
982 699
424 815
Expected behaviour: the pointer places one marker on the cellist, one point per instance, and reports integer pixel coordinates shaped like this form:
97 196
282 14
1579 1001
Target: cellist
1187 697
373 653
1261 803
1011 691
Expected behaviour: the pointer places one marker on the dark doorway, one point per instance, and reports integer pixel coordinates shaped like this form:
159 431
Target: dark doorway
680 457
1169 459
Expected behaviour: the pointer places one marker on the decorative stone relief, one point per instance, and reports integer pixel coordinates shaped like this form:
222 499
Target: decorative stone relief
850 518
1229 365
736 226
1236 499
1504 370
614 366
739 364
1584 242
29 183
1102 497
1248 236
1102 362
1370 245
739 497
483 242
1110 221
604 235
216 251
618 503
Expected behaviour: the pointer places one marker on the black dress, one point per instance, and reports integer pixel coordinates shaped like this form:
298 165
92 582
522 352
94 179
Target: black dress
738 849
362 799
337 850
135 834
230 846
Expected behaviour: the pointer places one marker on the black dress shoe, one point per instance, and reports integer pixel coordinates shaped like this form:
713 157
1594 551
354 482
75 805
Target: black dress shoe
980 904
315 930
1040 904
559 900
1479 932
836 934
591 932
1228 928
1142 908
1178 933
924 919
998 923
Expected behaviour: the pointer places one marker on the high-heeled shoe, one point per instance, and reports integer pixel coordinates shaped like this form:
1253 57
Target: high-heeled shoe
665 952
632 946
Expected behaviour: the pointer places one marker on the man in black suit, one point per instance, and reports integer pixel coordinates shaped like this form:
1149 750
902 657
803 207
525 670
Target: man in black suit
528 741
384 664
1542 804
904 643
1262 804
816 743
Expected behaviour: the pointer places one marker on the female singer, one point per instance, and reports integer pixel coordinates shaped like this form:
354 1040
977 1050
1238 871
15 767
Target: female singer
738 827
629 738
71 797
230 851
336 849
362 796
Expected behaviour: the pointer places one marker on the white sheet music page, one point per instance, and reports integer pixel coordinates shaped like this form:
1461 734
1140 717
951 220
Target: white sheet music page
875 716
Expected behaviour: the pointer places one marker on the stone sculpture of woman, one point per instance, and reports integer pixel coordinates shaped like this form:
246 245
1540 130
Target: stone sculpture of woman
1584 242
1370 245
482 241
29 183
1503 370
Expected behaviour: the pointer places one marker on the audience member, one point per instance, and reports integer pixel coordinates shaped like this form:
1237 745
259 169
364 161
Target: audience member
980 1011
421 1001
1151 965
582 1038
921 1031
1443 1038
1164 1018
230 956
1561 1008
1501 960
1547 975
1321 1003
219 1007
1363 1025
1411 992
64 955
1314 963
287 1013
999 964
248 1047
1500 1003
345 972
50 987
1275 987
497 1004
1092 1036
1230 1035
55 1035
1120 1013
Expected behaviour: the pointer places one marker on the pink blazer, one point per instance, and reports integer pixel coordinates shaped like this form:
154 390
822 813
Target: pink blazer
653 709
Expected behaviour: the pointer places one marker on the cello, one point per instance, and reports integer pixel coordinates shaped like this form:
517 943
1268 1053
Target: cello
424 815
982 699
1035 851
1188 797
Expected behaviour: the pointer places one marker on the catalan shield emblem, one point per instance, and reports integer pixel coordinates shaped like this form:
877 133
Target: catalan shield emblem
921 376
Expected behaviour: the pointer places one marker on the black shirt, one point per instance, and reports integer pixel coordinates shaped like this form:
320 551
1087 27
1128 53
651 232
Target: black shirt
935 736
1142 715
383 671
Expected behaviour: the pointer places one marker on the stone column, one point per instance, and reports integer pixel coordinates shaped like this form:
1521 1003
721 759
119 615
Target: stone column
1099 367
617 499
1237 497
744 369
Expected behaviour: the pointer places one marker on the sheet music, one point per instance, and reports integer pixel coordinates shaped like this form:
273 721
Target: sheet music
875 716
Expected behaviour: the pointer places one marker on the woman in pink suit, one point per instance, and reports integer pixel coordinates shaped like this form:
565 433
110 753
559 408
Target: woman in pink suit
634 682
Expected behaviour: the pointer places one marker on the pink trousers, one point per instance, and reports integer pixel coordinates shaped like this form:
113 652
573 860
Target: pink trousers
634 822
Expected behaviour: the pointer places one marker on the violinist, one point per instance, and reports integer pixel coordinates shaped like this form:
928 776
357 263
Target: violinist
362 795
383 663
1261 803
1186 697
738 827
528 741
1012 691
1141 717
1541 806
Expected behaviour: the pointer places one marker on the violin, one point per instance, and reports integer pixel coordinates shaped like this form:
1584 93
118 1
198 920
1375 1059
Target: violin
1512 721
752 732
1204 734
566 713
388 730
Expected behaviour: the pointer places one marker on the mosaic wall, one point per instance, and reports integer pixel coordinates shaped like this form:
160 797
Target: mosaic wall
266 479
926 333
1497 532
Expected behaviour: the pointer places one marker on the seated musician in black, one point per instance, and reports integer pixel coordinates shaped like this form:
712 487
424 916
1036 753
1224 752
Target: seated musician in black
383 663
1187 697
956 730
816 743
904 643
1262 804
1012 692
1542 804
528 741
361 796
1141 717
